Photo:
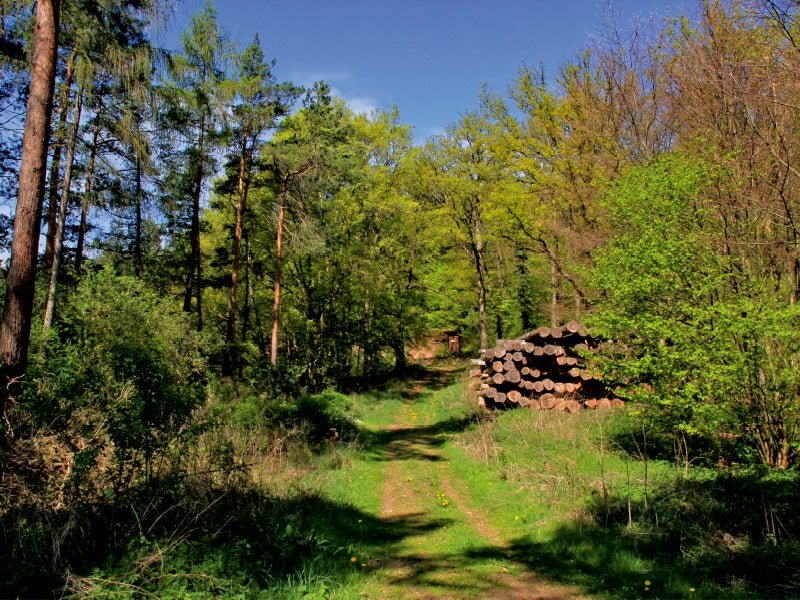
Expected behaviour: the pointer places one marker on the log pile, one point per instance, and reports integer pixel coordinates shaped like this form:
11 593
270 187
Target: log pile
544 370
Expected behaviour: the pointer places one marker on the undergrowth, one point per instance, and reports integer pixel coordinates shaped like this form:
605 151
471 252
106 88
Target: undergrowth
268 496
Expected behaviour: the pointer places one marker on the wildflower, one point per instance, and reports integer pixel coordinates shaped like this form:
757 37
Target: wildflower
352 559
360 520
516 517
691 590
647 583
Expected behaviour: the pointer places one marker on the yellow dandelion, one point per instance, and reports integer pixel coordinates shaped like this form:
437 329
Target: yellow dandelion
360 520
363 564
647 583
646 589
516 517
352 559
691 590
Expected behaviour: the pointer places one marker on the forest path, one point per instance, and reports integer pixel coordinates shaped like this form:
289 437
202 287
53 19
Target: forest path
451 549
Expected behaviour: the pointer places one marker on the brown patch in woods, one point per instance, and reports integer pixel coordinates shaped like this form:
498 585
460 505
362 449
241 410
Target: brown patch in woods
401 501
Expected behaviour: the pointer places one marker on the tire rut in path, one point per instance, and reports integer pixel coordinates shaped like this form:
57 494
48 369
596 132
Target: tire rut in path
405 573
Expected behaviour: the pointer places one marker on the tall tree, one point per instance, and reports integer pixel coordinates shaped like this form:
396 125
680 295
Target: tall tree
193 112
259 101
461 177
18 308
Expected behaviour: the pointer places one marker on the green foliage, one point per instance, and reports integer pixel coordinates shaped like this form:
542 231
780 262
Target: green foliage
122 378
704 342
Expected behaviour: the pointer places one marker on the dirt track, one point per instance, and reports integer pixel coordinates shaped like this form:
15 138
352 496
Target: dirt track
418 480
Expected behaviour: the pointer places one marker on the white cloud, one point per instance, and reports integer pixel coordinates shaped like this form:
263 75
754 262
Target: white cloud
358 103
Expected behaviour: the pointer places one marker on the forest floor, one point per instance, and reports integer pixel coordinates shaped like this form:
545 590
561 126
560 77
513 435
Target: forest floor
449 546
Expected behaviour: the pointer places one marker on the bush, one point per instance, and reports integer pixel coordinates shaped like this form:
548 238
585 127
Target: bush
104 405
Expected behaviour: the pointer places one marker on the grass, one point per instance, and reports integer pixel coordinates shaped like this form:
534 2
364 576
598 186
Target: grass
432 498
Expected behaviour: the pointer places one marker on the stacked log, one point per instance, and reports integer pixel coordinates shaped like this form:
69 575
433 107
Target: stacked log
544 369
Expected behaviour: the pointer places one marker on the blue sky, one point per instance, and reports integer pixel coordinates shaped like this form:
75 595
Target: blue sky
429 57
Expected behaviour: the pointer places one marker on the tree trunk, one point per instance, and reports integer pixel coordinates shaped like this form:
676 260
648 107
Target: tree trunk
231 358
18 309
62 219
87 195
477 251
55 167
137 242
273 355
248 292
193 268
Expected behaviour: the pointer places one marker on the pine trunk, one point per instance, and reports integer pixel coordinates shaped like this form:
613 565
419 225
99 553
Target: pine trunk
231 358
18 309
62 219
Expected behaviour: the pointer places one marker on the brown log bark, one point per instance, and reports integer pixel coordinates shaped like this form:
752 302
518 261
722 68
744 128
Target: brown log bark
559 388
512 376
498 378
538 387
499 352
514 396
497 366
18 309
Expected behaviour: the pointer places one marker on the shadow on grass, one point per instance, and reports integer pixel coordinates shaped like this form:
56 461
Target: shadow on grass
729 535
418 443
217 542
